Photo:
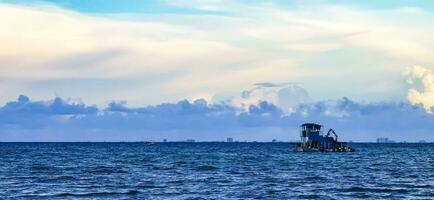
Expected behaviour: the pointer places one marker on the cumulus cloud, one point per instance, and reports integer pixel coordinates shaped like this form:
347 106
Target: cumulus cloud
286 96
26 113
425 95
24 106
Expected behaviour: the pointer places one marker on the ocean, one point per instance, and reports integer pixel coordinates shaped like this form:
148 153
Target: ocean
213 171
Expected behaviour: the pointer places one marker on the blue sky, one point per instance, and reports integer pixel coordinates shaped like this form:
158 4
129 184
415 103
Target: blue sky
152 54
112 6
161 6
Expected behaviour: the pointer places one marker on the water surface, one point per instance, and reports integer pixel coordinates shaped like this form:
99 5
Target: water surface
213 171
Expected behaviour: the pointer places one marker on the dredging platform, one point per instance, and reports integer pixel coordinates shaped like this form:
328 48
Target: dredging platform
312 139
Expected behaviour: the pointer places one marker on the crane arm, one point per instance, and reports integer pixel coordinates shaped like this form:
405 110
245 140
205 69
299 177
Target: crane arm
334 133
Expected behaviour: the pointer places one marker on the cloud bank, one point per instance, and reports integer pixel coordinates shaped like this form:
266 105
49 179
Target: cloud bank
64 120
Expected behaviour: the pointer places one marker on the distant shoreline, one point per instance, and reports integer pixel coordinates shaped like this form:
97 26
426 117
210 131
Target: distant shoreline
237 142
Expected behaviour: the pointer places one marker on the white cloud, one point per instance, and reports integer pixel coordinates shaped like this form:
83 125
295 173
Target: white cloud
426 95
55 36
209 54
286 96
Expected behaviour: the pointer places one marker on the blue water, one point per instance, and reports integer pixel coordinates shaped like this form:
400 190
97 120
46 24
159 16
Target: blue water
213 171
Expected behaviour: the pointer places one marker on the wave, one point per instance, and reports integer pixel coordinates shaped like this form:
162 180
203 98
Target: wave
206 168
374 190
66 194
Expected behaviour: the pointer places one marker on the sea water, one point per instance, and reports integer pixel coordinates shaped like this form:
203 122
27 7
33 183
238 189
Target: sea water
213 171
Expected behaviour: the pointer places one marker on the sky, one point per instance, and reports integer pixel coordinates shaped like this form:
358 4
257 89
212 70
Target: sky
252 70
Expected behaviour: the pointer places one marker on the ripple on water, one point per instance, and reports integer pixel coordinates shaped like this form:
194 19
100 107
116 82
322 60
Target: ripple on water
206 168
96 194
374 190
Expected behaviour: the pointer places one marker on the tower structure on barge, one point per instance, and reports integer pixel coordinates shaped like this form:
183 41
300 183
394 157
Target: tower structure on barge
313 139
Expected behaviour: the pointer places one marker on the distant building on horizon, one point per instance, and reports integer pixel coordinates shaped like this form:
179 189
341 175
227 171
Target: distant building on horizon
190 140
229 140
164 140
384 140
274 140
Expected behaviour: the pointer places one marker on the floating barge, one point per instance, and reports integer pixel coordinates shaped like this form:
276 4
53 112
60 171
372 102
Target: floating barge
312 140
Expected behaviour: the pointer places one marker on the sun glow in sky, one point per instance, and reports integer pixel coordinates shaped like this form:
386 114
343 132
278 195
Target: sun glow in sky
233 54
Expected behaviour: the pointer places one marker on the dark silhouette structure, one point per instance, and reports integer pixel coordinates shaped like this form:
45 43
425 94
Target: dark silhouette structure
312 139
